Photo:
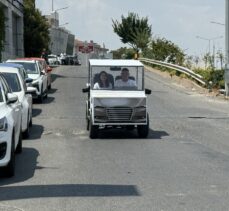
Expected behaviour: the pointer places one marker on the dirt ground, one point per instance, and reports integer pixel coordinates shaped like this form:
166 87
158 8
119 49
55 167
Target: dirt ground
189 84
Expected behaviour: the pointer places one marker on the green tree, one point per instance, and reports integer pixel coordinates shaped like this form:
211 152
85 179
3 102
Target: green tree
123 53
2 31
208 61
221 58
164 50
134 31
36 30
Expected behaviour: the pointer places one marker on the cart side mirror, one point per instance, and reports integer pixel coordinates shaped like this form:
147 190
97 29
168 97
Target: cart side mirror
148 91
85 90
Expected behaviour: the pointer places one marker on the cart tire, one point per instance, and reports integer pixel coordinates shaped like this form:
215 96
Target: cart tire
88 123
93 130
143 130
87 119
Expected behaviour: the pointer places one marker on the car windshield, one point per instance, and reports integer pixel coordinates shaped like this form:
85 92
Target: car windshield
13 81
30 67
117 78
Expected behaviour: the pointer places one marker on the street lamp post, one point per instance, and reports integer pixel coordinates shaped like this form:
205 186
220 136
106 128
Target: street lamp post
218 23
63 24
55 15
226 73
209 42
209 45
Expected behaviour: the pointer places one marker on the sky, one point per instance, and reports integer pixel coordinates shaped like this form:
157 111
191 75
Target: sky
179 21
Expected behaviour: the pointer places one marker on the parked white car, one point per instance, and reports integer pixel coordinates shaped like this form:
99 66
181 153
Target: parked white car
53 60
10 128
18 87
34 72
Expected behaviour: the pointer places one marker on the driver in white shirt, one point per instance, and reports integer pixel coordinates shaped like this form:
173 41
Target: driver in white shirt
125 81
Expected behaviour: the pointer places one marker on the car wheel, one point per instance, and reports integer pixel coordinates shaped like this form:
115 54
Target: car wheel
143 130
46 94
26 132
49 86
41 97
93 130
31 122
19 146
10 168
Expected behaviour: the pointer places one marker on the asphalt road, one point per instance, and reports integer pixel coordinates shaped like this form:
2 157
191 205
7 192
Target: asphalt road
182 165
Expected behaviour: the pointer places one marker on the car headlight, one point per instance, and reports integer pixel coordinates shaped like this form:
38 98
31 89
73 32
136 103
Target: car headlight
3 124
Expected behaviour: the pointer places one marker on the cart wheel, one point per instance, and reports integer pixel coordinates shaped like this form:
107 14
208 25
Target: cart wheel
88 123
143 130
87 119
93 130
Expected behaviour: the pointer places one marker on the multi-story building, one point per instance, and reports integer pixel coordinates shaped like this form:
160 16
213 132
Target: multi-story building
61 39
14 29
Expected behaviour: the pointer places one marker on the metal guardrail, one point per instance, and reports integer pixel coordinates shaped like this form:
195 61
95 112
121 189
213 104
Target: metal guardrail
178 68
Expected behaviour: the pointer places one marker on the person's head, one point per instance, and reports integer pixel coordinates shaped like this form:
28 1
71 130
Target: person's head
103 76
125 74
103 79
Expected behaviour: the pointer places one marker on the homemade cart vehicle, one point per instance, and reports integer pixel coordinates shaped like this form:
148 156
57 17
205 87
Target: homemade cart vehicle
120 103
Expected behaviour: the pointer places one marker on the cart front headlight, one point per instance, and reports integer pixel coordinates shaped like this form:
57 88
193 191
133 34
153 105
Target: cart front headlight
100 112
140 111
3 124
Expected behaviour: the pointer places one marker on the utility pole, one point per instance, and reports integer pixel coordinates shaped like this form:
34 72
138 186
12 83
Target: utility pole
52 6
226 73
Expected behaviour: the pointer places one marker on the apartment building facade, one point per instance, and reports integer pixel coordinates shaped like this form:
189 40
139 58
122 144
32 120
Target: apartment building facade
14 29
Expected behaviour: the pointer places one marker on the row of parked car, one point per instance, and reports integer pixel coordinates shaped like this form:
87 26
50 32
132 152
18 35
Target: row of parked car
21 81
63 60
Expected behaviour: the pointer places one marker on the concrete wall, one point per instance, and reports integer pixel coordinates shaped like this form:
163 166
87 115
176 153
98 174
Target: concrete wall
61 39
14 31
58 40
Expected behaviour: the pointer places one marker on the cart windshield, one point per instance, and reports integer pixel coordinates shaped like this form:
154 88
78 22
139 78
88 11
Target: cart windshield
117 78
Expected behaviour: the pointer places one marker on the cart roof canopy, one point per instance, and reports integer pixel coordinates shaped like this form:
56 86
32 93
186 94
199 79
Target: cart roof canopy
115 62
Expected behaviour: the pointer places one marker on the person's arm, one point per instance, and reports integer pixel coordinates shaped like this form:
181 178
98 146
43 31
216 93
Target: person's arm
96 86
134 83
117 83
110 86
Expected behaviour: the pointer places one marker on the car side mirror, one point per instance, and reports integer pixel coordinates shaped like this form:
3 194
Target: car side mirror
28 80
147 91
12 98
42 72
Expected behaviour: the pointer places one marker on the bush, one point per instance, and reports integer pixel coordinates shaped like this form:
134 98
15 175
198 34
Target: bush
215 76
